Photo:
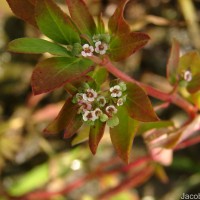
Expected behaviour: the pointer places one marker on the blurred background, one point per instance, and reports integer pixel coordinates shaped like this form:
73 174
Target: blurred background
59 169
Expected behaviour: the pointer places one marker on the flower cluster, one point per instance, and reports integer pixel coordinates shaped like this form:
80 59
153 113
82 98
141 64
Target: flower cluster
95 105
100 45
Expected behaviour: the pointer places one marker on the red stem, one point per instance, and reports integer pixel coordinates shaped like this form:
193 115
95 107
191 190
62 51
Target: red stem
187 143
99 172
153 92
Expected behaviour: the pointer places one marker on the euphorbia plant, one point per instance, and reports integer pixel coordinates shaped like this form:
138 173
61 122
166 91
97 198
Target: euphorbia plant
83 51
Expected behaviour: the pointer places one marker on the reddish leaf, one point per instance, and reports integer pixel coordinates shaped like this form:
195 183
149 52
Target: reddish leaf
117 25
95 135
194 85
66 119
32 1
81 16
54 23
172 64
55 72
123 134
72 126
122 46
139 105
24 9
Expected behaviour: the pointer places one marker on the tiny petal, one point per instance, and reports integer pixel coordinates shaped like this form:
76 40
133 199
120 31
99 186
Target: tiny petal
97 44
188 76
120 102
113 95
87 50
90 95
97 113
97 50
101 100
84 105
101 47
116 91
111 110
84 54
85 46
102 52
89 115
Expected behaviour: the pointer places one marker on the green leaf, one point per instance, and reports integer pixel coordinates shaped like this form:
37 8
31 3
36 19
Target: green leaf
173 61
54 23
117 25
100 25
123 134
73 86
67 120
189 61
194 85
36 46
139 105
24 9
100 75
144 127
122 46
81 17
95 135
56 72
82 135
34 179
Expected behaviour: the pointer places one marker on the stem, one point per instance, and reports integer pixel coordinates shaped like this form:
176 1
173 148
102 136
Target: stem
153 92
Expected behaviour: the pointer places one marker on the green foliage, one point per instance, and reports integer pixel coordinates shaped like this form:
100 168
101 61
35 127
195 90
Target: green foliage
54 23
123 134
173 62
81 17
190 62
37 46
80 38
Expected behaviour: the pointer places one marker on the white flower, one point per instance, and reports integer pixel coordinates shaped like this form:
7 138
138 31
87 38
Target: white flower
84 105
120 102
101 100
90 95
89 115
97 113
87 50
116 91
111 110
188 76
101 47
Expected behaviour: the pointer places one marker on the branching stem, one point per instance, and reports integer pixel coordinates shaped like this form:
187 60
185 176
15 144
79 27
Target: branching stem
173 98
